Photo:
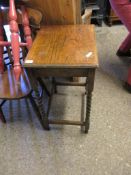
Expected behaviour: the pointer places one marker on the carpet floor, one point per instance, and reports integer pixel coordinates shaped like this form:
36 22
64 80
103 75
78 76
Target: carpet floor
106 150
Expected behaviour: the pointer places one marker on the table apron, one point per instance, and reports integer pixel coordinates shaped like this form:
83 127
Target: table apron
60 72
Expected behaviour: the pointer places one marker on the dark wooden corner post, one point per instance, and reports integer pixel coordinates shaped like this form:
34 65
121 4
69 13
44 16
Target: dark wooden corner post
43 117
89 90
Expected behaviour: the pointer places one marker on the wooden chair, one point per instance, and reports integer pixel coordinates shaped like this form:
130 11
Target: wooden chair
15 44
11 89
34 21
13 86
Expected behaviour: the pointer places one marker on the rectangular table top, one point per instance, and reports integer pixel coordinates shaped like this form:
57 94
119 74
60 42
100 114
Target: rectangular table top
63 46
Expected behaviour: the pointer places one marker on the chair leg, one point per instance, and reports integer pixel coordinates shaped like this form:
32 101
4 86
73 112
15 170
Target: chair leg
2 103
2 116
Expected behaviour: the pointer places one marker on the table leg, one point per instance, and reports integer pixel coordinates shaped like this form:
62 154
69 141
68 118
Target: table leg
43 113
53 90
42 84
34 105
55 85
34 84
89 90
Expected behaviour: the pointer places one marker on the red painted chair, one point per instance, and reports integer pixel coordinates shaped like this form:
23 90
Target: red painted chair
15 44
14 83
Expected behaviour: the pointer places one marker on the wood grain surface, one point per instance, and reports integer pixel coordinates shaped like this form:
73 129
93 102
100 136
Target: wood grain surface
58 11
65 46
10 88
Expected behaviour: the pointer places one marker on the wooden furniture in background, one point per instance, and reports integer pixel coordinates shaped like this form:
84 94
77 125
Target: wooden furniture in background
58 11
98 8
111 16
64 51
86 17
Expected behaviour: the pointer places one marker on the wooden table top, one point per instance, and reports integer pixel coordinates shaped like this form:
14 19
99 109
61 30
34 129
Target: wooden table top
65 46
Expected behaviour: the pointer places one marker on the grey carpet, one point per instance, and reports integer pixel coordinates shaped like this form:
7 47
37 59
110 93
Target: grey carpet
26 149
